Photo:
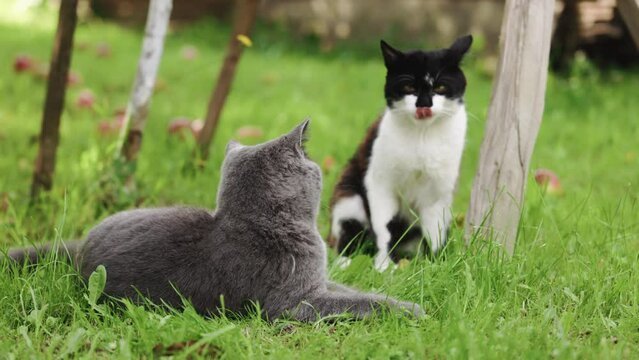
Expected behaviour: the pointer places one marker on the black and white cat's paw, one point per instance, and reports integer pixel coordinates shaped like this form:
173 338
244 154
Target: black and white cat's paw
381 264
343 262
383 261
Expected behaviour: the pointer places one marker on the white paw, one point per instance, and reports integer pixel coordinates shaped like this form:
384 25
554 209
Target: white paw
382 261
343 262
436 245
434 249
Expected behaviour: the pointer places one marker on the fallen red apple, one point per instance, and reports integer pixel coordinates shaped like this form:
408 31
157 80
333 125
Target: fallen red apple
189 52
73 78
246 132
328 163
103 50
178 124
22 63
85 99
82 45
548 180
113 126
120 118
105 127
196 128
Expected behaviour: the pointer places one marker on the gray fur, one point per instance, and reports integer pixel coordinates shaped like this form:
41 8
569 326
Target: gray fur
65 250
261 244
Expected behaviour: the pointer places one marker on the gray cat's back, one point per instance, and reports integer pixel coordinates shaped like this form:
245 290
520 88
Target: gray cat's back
151 251
149 230
169 253
261 246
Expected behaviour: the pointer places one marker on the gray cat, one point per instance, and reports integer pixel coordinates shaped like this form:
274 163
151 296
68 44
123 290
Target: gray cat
260 245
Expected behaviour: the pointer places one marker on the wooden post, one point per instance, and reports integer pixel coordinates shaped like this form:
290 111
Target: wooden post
629 10
157 23
514 117
54 102
245 14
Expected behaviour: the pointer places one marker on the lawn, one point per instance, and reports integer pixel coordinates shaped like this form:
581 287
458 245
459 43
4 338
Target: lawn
570 291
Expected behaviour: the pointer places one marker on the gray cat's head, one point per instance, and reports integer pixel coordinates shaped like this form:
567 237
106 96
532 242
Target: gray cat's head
272 179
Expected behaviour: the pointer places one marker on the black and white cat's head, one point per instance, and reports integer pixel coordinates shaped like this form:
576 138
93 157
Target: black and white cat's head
425 85
271 178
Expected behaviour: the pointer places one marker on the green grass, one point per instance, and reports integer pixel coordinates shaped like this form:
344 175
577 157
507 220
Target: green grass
570 291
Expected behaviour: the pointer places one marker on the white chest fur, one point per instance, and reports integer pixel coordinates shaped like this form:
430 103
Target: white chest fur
418 159
413 170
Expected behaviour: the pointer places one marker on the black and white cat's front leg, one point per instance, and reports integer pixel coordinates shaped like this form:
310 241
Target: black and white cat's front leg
339 300
383 207
435 220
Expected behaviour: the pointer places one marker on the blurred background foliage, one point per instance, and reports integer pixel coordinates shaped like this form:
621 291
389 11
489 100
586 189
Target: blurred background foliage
570 292
317 58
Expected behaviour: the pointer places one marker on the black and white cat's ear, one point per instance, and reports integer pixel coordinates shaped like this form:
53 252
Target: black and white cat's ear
232 145
459 48
391 55
298 134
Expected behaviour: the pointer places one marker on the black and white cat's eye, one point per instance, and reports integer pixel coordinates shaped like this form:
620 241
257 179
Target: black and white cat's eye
440 89
409 89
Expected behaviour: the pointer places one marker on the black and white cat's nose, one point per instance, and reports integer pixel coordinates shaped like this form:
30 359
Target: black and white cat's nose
424 101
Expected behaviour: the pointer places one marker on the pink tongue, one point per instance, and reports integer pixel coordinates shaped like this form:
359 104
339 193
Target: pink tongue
423 112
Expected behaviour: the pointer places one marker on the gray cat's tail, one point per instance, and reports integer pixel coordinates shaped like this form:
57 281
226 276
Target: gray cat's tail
66 251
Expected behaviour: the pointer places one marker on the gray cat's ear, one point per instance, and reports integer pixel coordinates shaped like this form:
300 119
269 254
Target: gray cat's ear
298 135
390 54
232 145
459 48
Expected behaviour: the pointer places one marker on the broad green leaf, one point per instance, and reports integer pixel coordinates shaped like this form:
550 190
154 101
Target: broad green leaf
97 281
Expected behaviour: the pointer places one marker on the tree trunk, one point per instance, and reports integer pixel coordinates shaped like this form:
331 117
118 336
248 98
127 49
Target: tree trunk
629 10
54 102
245 15
513 121
157 23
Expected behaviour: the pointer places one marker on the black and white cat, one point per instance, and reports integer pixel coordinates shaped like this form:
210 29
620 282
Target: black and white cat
409 161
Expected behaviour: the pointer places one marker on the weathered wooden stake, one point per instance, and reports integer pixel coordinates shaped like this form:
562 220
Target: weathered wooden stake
246 12
514 117
629 10
54 102
157 23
